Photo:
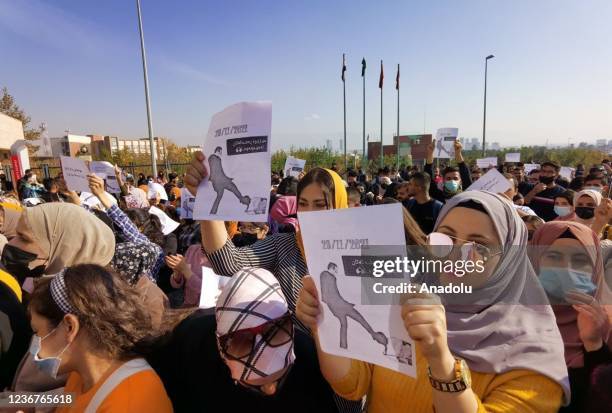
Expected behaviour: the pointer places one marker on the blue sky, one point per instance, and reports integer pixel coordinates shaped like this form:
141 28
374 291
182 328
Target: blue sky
76 64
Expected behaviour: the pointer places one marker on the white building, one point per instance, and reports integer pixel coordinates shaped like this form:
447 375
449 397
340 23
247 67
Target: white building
11 131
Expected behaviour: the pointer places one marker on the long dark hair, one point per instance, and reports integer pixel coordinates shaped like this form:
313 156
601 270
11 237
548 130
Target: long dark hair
322 178
148 224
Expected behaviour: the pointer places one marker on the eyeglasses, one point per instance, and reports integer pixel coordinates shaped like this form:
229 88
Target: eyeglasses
443 245
240 343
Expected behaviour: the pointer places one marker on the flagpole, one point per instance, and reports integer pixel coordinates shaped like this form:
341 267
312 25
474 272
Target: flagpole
364 156
382 161
146 84
344 102
398 108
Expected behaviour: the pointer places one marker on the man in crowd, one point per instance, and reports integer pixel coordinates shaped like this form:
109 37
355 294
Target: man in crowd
422 207
354 197
541 196
596 183
455 179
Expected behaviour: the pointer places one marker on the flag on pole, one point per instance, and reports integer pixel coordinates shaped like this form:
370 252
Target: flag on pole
382 76
343 65
397 79
363 67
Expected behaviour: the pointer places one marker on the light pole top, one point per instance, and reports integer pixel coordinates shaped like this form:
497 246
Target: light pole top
489 57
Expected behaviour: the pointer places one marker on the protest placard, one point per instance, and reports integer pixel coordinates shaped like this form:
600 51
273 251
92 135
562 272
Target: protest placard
348 328
567 172
530 167
294 166
156 189
445 143
75 173
237 150
106 171
486 163
513 157
187 204
492 181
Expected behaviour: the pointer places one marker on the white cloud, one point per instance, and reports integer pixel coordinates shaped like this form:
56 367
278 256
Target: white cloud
186 70
312 116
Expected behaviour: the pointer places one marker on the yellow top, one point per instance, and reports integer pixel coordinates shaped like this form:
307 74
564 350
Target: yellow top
11 283
388 391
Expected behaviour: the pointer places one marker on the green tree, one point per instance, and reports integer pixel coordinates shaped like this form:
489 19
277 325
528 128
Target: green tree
9 107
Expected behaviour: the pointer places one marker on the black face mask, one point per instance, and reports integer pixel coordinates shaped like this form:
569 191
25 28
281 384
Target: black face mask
547 179
244 239
17 263
585 212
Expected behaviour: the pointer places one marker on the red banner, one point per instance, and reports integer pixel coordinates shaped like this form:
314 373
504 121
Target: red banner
17 172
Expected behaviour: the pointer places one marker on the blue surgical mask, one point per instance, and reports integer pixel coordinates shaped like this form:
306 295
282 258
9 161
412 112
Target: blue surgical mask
49 365
562 210
451 186
557 282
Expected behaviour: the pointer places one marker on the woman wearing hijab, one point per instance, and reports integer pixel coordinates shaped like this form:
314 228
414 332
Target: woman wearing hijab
9 217
568 258
284 212
496 349
244 355
590 209
47 238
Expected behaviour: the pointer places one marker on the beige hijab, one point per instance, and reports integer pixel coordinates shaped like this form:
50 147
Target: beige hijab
9 223
70 235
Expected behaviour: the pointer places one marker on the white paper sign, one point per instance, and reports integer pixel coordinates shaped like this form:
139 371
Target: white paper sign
75 174
167 223
294 166
106 171
530 167
492 181
157 189
567 172
513 157
348 328
187 204
485 163
92 201
445 143
212 285
237 150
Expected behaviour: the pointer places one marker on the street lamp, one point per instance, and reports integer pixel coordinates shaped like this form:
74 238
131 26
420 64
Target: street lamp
484 119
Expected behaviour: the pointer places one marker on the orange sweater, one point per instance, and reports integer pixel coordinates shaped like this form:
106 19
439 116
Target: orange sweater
388 391
141 392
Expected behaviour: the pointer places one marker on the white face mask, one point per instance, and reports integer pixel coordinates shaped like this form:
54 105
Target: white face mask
49 365
593 188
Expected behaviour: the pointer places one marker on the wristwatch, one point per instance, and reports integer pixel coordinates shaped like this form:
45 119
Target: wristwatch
462 380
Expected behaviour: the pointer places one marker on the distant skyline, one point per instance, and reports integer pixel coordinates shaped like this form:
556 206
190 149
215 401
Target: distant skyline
76 65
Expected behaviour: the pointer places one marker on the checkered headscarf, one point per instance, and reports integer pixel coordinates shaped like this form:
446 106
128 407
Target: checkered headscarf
251 298
59 293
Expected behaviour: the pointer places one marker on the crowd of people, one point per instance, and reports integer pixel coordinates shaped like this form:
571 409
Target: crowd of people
99 302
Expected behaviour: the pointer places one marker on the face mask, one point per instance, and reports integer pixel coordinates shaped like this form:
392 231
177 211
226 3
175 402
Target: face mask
585 212
451 186
547 179
17 263
557 282
562 210
244 238
593 188
48 365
